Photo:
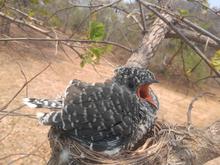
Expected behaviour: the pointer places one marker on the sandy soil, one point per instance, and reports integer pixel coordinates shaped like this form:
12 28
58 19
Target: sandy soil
24 141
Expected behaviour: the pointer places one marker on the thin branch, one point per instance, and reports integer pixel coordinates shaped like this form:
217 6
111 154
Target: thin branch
186 40
195 37
23 86
207 77
166 64
12 113
65 53
142 17
24 155
94 11
130 15
186 21
26 15
23 22
184 67
207 7
96 6
72 7
7 113
197 64
201 30
189 112
68 40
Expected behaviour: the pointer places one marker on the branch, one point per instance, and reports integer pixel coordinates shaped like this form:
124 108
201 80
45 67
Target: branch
68 40
22 87
189 118
186 40
195 37
201 30
142 18
94 11
22 22
26 15
185 20
150 43
207 7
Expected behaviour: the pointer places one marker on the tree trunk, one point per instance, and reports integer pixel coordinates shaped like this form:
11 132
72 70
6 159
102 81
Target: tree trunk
149 44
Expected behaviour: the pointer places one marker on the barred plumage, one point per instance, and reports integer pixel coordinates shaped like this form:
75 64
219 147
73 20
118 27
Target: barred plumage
104 116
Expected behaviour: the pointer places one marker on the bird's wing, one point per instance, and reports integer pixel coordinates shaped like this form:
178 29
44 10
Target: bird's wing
99 112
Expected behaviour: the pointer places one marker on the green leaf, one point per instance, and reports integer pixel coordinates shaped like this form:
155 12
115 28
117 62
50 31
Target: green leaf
215 60
34 1
183 12
95 51
55 21
87 59
47 1
2 2
31 13
96 31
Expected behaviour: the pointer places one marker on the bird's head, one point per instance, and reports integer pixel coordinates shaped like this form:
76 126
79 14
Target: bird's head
137 80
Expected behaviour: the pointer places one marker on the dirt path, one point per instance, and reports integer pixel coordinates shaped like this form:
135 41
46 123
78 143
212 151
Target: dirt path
24 139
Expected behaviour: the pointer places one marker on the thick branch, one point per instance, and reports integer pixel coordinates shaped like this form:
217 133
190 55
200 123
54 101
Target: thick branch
150 43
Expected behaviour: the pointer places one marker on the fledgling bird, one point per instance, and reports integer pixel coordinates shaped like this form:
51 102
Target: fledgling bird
105 117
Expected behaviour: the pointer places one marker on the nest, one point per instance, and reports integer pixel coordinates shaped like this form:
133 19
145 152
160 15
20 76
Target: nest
154 150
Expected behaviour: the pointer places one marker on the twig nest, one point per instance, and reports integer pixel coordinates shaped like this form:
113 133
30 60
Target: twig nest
67 151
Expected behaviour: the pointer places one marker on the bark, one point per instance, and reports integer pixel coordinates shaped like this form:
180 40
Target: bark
150 43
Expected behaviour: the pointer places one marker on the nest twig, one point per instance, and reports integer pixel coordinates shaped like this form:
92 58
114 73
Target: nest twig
166 144
146 153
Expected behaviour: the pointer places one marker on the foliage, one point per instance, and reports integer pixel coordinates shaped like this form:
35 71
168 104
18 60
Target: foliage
96 31
216 60
194 68
183 12
95 52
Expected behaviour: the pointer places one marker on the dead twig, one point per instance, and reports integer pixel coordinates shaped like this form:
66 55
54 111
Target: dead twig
196 37
207 7
35 20
67 40
167 64
25 155
22 87
142 17
13 113
94 11
23 22
189 112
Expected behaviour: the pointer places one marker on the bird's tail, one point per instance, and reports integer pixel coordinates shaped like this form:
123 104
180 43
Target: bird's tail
52 118
43 103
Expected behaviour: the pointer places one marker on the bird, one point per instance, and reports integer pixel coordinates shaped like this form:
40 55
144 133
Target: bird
104 117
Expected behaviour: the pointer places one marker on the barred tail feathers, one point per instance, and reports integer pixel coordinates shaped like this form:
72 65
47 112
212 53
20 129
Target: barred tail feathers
52 118
42 103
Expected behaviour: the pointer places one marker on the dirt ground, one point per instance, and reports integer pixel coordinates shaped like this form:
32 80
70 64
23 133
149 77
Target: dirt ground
23 141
